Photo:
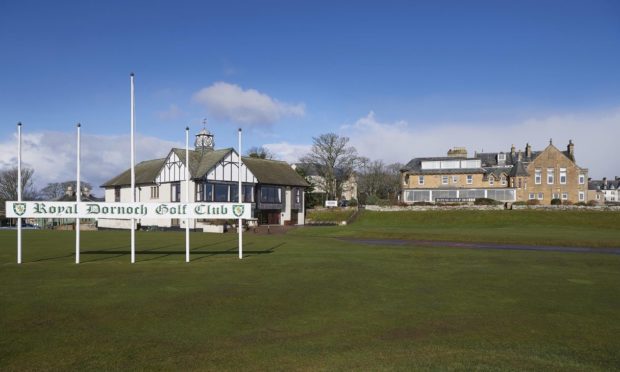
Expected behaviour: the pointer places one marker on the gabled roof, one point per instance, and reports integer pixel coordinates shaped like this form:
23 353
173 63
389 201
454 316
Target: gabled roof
274 172
518 170
200 162
145 171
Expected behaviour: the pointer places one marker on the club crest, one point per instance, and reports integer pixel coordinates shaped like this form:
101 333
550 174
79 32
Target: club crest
19 208
238 210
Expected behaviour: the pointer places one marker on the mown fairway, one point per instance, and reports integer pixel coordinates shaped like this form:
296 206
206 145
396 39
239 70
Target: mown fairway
307 301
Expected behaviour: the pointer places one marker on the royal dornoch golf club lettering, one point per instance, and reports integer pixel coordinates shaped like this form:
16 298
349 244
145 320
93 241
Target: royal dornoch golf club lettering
128 210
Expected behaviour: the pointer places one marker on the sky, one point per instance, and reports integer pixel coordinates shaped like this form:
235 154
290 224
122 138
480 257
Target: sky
400 79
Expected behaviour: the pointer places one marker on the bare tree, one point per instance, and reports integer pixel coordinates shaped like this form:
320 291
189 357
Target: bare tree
333 160
57 189
8 184
260 153
379 181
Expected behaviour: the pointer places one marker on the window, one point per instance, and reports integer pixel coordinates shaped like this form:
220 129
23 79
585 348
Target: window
582 179
538 176
248 194
270 194
598 197
563 176
455 179
532 196
420 180
503 179
207 194
154 192
175 192
519 182
550 176
582 196
444 180
564 196
541 196
491 181
297 196
199 192
470 179
501 157
117 194
555 196
220 192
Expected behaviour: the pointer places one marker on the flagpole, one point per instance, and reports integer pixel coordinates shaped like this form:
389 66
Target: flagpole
19 191
240 227
78 194
133 173
187 193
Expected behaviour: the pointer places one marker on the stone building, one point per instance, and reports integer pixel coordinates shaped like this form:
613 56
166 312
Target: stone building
605 190
504 176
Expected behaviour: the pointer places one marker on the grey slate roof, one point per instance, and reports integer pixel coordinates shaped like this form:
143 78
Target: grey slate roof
518 170
600 185
266 171
415 167
274 172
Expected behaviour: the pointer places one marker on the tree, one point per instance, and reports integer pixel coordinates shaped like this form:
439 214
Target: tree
57 189
260 153
379 181
333 160
8 184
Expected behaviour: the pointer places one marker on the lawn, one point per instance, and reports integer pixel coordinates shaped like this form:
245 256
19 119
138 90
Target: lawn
305 301
330 215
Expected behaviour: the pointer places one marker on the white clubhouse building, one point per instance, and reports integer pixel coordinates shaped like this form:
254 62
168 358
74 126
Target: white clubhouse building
275 190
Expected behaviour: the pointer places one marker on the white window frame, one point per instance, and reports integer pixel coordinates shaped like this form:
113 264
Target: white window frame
420 180
550 176
455 179
538 176
445 180
582 196
541 196
154 192
532 196
503 180
562 176
555 195
470 179
564 196
491 180
582 179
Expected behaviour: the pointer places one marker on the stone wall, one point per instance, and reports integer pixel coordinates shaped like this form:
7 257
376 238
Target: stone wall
421 208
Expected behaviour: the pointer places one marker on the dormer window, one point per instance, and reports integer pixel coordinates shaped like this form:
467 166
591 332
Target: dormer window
491 181
501 158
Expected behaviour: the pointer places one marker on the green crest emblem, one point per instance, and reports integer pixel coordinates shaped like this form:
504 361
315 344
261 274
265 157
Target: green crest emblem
238 210
19 208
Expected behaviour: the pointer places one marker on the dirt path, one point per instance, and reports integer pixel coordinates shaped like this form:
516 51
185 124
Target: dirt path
510 247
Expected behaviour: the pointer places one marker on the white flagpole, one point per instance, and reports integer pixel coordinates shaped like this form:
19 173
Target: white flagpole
19 191
78 194
240 227
187 192
133 173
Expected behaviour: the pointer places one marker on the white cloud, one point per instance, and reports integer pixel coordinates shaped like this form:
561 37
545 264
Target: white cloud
172 113
52 155
288 152
595 136
227 101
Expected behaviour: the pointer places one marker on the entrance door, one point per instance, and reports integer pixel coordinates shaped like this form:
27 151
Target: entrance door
269 217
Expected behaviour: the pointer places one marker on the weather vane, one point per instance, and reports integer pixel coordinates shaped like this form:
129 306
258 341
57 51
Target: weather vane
204 123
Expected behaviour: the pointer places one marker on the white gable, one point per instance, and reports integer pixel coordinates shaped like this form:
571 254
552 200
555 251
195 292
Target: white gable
172 171
226 170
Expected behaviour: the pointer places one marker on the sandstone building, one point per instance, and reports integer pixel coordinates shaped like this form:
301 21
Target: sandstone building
504 176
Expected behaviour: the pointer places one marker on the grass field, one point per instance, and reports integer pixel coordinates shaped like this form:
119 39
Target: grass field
307 301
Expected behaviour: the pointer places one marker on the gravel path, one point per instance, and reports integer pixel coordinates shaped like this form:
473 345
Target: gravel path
510 247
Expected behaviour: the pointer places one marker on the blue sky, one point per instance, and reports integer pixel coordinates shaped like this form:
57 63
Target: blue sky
401 79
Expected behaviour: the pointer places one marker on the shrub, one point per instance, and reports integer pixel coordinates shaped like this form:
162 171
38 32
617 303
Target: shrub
423 203
384 202
567 202
556 201
486 201
533 202
580 204
372 200
353 202
592 203
521 202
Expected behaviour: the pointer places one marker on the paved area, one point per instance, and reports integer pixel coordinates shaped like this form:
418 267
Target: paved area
511 247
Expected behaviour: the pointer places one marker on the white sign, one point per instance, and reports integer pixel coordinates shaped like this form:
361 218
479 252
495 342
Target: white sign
128 210
331 203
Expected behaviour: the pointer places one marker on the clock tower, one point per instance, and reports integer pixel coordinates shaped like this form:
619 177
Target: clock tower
204 140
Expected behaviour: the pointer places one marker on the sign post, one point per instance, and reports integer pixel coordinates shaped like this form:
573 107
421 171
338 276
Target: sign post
78 194
19 191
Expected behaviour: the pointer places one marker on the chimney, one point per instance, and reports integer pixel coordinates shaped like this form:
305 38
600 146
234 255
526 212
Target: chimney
528 150
85 191
571 149
520 155
512 151
617 178
605 182
69 191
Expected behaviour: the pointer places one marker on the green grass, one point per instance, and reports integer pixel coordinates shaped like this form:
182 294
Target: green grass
306 301
330 215
562 228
